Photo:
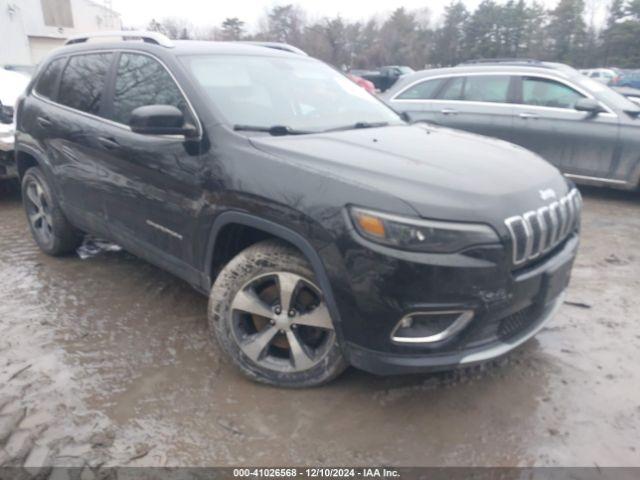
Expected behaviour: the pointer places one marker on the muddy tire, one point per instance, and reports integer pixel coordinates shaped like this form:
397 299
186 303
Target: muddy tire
49 227
271 318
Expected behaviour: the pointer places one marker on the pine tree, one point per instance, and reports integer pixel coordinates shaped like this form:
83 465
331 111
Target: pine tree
232 29
568 32
449 41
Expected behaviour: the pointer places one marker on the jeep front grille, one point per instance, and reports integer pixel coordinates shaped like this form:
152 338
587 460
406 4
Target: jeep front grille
536 232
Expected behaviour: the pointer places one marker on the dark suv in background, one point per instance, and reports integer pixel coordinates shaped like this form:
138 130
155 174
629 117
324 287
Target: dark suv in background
325 230
590 132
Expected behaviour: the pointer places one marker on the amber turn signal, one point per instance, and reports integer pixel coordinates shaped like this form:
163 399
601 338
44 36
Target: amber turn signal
370 224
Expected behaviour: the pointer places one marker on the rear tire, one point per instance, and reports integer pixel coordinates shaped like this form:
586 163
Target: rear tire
49 227
270 317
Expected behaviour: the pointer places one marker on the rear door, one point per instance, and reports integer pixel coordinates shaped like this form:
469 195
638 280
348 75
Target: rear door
547 123
154 182
71 127
477 103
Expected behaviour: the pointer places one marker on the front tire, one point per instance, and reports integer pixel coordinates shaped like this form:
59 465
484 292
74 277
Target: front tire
49 227
271 318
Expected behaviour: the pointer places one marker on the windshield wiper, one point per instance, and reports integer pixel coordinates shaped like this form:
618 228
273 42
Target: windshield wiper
359 125
275 130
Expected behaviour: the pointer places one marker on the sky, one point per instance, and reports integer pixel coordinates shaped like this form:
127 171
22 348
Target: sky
138 13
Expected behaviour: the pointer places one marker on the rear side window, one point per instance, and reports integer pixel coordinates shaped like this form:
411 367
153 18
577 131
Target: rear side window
543 92
48 80
142 81
478 88
83 82
454 90
422 91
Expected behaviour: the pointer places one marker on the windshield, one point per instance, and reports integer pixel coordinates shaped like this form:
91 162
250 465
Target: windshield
297 93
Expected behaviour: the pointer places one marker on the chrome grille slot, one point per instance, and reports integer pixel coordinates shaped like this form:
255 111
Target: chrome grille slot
536 232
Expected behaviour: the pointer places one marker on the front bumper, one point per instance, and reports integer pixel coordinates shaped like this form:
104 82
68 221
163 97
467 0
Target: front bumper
510 307
7 158
389 364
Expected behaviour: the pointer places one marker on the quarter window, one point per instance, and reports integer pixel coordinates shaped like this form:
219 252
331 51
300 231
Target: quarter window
83 81
422 91
47 82
543 92
142 81
478 88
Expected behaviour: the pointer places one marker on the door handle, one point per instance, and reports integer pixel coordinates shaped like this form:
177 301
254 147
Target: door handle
44 122
108 143
449 111
527 116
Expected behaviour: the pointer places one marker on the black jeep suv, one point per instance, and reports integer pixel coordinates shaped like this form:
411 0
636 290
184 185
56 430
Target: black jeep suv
326 230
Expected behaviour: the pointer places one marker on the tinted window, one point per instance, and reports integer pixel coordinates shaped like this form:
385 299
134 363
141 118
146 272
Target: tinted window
548 93
487 88
47 82
478 88
453 90
142 81
83 81
422 91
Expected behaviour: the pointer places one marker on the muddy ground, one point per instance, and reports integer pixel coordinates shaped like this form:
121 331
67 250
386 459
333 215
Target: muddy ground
108 361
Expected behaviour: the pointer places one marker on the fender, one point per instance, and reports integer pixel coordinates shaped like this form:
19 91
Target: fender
42 162
284 233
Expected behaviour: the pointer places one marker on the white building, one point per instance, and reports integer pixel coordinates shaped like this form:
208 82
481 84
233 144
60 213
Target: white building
30 29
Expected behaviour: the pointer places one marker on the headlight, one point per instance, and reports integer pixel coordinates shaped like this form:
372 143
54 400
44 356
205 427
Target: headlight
420 235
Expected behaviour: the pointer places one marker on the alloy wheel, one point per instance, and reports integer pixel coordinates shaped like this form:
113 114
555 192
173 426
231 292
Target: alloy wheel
39 211
281 322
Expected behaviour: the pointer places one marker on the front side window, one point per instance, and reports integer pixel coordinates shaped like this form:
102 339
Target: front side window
83 81
543 92
300 93
142 81
421 91
47 82
478 88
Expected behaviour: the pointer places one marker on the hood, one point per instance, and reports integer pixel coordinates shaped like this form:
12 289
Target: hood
442 173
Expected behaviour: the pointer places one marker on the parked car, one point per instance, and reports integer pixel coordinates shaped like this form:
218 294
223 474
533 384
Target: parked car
630 78
12 84
27 70
587 130
606 76
384 77
632 94
366 84
325 230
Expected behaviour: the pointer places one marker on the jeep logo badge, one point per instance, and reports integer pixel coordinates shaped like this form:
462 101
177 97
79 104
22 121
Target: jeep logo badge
547 194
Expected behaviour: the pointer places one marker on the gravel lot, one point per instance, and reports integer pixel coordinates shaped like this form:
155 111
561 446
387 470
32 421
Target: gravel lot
108 361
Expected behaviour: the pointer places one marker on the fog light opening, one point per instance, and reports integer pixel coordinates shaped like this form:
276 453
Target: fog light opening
430 327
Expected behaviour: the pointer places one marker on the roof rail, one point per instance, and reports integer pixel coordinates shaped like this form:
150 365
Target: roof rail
285 47
147 37
531 61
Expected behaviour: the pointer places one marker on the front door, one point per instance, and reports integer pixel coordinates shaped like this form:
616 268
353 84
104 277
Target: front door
547 123
153 182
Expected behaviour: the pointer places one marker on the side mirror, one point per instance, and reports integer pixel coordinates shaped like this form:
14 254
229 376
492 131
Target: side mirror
160 120
588 105
406 117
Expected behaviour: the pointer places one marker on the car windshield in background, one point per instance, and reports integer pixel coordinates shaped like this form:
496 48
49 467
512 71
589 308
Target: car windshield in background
298 94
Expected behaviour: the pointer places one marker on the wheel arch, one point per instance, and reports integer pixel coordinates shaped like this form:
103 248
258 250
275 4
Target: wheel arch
24 161
262 229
